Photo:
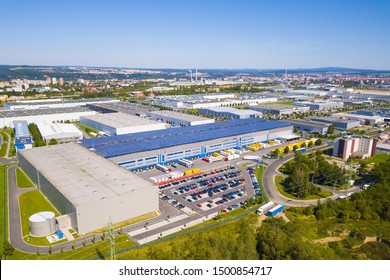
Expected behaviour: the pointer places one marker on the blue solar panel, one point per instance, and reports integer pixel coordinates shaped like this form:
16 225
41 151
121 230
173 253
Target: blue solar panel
152 140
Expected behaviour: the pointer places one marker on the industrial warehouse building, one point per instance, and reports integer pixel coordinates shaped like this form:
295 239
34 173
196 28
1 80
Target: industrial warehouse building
362 118
320 105
210 100
91 190
280 109
230 113
55 103
310 126
39 115
61 132
141 150
120 123
337 122
129 108
178 119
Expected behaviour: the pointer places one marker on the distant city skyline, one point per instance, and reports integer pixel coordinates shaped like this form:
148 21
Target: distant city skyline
197 34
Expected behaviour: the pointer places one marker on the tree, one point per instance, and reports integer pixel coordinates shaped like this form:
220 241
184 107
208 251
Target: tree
8 249
303 145
296 129
318 142
367 122
286 150
330 129
295 147
53 142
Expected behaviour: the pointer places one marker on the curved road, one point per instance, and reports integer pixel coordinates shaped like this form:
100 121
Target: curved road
15 229
275 196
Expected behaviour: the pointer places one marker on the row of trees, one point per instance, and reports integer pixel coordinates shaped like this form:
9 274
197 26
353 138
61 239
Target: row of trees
36 135
307 170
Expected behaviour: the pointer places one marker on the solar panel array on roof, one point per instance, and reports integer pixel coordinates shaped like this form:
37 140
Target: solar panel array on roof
152 140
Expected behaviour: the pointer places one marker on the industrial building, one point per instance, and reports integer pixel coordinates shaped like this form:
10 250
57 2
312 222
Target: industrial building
280 109
362 118
142 150
120 123
55 103
23 139
381 112
89 189
310 126
61 132
197 101
129 108
320 105
178 119
338 123
362 147
230 113
39 115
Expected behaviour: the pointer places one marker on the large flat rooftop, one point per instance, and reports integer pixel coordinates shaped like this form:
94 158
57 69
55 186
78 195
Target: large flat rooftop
274 106
239 112
80 175
124 107
309 122
120 120
61 101
39 112
152 140
179 116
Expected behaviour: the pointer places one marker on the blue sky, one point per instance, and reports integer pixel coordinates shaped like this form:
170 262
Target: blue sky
196 34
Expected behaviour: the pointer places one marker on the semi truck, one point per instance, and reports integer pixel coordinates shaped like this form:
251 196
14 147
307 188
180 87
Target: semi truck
231 157
185 162
162 168
275 210
262 209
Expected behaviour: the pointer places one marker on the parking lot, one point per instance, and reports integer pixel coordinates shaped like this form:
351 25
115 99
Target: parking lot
220 190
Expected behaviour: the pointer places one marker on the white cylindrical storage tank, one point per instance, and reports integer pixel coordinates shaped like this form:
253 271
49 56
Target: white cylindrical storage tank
42 223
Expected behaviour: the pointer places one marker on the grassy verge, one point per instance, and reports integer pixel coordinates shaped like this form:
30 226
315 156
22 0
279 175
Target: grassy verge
100 249
128 222
289 102
378 158
23 180
279 184
87 130
3 150
31 203
259 175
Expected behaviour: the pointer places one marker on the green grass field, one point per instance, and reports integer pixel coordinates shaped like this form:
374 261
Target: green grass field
31 203
23 180
378 158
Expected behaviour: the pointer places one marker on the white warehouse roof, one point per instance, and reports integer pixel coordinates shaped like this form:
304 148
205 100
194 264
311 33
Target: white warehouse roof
58 130
81 175
121 120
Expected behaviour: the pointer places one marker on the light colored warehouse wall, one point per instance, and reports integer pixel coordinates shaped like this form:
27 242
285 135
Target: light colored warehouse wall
97 214
59 201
